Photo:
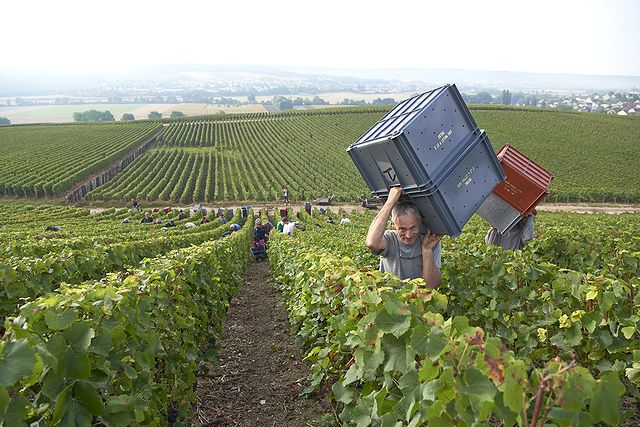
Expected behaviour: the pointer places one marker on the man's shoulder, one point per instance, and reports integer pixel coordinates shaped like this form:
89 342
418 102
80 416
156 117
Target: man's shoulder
391 239
390 233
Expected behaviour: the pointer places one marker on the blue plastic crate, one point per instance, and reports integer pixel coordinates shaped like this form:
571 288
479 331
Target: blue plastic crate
447 203
416 141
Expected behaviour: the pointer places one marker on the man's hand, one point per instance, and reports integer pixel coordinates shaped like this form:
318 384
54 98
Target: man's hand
430 272
394 195
430 240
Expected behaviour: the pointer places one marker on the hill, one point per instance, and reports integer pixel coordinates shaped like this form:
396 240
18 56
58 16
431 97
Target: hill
250 157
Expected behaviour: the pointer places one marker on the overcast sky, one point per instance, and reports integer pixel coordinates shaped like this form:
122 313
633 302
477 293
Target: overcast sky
551 36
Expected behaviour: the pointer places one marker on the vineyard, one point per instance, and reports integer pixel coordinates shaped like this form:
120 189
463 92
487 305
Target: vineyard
546 336
111 321
108 319
250 157
45 161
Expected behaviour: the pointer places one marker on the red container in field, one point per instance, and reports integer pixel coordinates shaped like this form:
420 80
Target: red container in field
527 183
284 212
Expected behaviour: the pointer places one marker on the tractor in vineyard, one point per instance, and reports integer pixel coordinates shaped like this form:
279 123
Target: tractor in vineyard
374 203
324 201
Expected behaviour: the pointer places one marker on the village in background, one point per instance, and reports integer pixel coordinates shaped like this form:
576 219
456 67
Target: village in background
152 92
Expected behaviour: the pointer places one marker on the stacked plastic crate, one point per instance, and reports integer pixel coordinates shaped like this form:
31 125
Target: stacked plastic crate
525 186
431 146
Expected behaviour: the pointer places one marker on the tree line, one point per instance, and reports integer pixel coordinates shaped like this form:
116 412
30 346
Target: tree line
106 116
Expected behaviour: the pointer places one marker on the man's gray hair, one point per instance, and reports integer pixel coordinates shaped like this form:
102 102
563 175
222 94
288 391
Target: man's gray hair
405 209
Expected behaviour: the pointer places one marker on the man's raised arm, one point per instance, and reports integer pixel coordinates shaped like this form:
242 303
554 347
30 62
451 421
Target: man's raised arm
374 241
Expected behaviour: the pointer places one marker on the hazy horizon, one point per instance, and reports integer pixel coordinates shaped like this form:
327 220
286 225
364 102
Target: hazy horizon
593 37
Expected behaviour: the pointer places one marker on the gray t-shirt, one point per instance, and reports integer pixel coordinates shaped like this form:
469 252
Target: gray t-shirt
405 261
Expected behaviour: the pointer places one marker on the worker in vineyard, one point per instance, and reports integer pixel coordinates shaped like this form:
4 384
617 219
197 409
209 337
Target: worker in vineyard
404 251
223 219
147 218
517 237
269 227
259 232
287 226
285 195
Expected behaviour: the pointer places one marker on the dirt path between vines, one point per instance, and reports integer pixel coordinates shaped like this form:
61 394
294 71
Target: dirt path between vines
260 371
552 207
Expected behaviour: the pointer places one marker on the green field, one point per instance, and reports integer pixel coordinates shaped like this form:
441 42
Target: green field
594 157
250 157
536 337
47 160
108 319
121 313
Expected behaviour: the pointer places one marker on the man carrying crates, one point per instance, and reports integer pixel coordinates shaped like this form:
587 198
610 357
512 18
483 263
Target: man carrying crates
404 251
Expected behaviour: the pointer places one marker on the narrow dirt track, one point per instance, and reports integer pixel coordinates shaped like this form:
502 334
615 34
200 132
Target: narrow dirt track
551 207
260 371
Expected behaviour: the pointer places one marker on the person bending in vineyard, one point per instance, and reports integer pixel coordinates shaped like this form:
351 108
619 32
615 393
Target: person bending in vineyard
259 232
404 251
517 237
147 218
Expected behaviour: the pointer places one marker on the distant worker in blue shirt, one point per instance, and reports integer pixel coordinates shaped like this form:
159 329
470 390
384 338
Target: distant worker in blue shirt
232 227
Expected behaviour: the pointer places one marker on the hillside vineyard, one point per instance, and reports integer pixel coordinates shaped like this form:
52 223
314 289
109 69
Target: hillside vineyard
250 157
118 312
107 318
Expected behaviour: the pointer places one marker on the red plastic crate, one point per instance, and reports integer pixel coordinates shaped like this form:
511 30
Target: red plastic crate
527 183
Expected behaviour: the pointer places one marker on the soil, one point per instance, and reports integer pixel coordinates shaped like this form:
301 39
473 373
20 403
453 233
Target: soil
260 372
589 208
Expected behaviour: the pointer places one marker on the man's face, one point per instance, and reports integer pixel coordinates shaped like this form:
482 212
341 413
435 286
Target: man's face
407 227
